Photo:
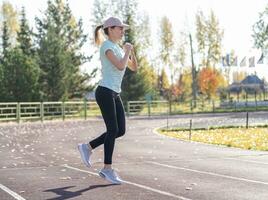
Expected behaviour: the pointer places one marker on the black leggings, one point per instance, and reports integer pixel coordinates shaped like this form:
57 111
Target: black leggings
113 113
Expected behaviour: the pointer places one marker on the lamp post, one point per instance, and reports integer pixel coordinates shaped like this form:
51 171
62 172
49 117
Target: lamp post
194 85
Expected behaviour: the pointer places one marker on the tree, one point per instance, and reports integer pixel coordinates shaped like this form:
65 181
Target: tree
260 31
24 37
149 79
2 86
9 15
232 58
5 40
239 76
209 80
135 84
99 12
2 95
166 51
60 39
30 71
201 34
215 35
167 44
164 85
180 61
184 84
3 59
209 37
181 52
21 76
21 68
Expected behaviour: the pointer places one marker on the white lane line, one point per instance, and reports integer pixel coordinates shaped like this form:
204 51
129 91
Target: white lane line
208 173
10 192
250 161
134 184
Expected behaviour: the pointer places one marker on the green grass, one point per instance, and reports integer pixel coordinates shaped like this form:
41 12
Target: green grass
206 107
254 138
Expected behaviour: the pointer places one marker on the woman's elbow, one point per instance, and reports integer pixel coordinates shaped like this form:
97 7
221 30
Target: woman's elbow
120 67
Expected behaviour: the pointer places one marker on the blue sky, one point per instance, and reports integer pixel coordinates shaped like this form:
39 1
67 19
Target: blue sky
236 17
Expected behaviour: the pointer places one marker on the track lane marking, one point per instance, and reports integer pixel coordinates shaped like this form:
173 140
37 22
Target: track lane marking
134 184
11 193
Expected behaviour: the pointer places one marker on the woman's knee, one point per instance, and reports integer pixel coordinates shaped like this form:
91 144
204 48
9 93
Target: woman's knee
113 131
121 132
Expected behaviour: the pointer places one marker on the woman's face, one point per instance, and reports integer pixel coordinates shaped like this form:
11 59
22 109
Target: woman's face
117 32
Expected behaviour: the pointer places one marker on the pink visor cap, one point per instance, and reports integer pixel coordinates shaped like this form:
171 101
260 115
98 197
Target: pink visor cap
113 21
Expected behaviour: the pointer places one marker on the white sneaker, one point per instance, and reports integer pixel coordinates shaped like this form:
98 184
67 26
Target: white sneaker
110 175
85 154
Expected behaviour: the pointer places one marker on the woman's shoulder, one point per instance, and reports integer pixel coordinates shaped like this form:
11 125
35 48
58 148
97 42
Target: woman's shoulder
107 45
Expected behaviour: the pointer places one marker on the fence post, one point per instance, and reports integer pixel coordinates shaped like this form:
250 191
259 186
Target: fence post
235 106
63 110
85 109
149 108
42 111
170 107
246 99
247 121
256 102
128 107
18 112
167 116
190 134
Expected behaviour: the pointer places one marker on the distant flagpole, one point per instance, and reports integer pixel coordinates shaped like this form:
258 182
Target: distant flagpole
251 61
260 61
234 63
243 62
228 59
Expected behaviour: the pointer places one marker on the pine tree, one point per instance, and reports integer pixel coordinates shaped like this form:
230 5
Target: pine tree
1 82
60 39
5 40
24 35
136 85
21 68
22 76
3 60
30 71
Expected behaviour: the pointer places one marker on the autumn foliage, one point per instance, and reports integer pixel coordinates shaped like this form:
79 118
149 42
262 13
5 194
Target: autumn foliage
209 80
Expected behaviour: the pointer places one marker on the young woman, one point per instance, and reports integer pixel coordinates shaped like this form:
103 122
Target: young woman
114 61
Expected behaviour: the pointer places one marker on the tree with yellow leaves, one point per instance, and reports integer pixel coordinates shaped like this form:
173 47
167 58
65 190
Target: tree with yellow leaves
209 81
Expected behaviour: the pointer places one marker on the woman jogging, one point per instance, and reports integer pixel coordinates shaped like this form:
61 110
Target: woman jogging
114 61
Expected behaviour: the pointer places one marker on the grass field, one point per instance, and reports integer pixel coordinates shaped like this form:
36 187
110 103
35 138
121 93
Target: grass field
254 138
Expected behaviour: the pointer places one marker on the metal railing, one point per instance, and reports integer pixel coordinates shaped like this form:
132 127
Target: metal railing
147 108
47 110
150 108
23 111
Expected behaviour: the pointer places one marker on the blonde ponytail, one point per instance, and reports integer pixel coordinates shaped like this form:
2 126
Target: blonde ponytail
98 35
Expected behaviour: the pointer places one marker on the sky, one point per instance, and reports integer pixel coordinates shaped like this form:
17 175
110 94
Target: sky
236 17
